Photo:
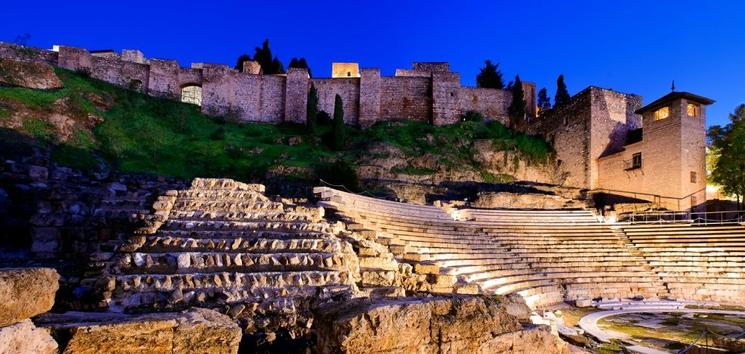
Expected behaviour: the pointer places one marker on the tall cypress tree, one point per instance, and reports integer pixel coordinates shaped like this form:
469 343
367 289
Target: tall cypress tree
490 76
338 129
270 65
544 102
312 111
562 95
516 110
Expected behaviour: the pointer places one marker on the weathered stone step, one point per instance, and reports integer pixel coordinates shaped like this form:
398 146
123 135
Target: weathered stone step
191 262
160 243
235 280
238 215
217 225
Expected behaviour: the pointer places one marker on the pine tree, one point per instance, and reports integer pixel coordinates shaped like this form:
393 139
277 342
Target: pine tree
516 110
312 111
299 63
544 102
490 76
562 95
338 129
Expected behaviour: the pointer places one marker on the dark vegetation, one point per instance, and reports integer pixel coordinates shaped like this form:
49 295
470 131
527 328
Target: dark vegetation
270 64
490 76
136 133
562 94
727 147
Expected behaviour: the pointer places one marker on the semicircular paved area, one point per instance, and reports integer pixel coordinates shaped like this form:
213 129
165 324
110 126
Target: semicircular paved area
589 323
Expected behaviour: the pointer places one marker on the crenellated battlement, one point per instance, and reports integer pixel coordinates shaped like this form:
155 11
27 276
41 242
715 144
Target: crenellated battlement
428 91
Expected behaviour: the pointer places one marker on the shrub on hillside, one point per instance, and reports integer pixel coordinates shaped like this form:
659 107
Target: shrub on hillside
338 173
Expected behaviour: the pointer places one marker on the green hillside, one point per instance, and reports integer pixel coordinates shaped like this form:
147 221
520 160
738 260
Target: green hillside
132 132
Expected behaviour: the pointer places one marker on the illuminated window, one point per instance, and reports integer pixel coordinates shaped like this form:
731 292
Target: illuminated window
192 94
662 113
693 110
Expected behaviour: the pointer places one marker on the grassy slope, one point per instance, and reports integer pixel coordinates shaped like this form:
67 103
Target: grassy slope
144 134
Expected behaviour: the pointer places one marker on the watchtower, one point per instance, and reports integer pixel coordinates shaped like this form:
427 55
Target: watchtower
674 133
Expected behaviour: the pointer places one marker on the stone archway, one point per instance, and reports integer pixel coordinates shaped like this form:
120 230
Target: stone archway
192 94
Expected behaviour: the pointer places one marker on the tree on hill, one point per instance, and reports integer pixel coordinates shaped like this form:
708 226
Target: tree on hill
312 111
490 76
299 63
728 143
544 102
516 110
338 132
270 65
562 95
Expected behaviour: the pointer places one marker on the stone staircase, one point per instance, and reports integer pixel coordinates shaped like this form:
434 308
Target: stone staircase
545 256
222 244
703 263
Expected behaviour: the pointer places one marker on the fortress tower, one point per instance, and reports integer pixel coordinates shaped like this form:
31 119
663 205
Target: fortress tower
666 157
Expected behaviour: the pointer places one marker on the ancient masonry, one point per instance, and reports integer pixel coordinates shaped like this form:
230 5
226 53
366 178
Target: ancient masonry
223 244
428 92
606 141
551 256
598 137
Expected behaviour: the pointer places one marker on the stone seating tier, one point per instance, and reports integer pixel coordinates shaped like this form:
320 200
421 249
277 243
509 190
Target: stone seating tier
222 244
545 256
696 262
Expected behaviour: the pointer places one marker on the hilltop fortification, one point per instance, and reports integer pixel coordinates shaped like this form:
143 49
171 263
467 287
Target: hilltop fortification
427 92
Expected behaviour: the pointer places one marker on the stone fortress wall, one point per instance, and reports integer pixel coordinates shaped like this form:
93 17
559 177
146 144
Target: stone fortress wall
428 92
594 123
593 136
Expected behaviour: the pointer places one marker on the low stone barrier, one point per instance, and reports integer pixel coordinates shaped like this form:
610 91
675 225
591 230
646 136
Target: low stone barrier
26 292
459 324
194 331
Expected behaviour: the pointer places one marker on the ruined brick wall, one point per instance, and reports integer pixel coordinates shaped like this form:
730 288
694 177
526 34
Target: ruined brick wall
411 73
243 97
593 124
370 94
612 117
296 95
431 67
163 79
489 102
119 72
348 89
445 97
427 92
567 129
405 98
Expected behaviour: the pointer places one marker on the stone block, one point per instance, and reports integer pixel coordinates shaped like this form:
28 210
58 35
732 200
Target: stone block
24 337
426 268
193 331
455 324
583 302
34 75
26 292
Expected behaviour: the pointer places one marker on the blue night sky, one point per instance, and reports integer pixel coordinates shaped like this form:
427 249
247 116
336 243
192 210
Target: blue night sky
630 46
